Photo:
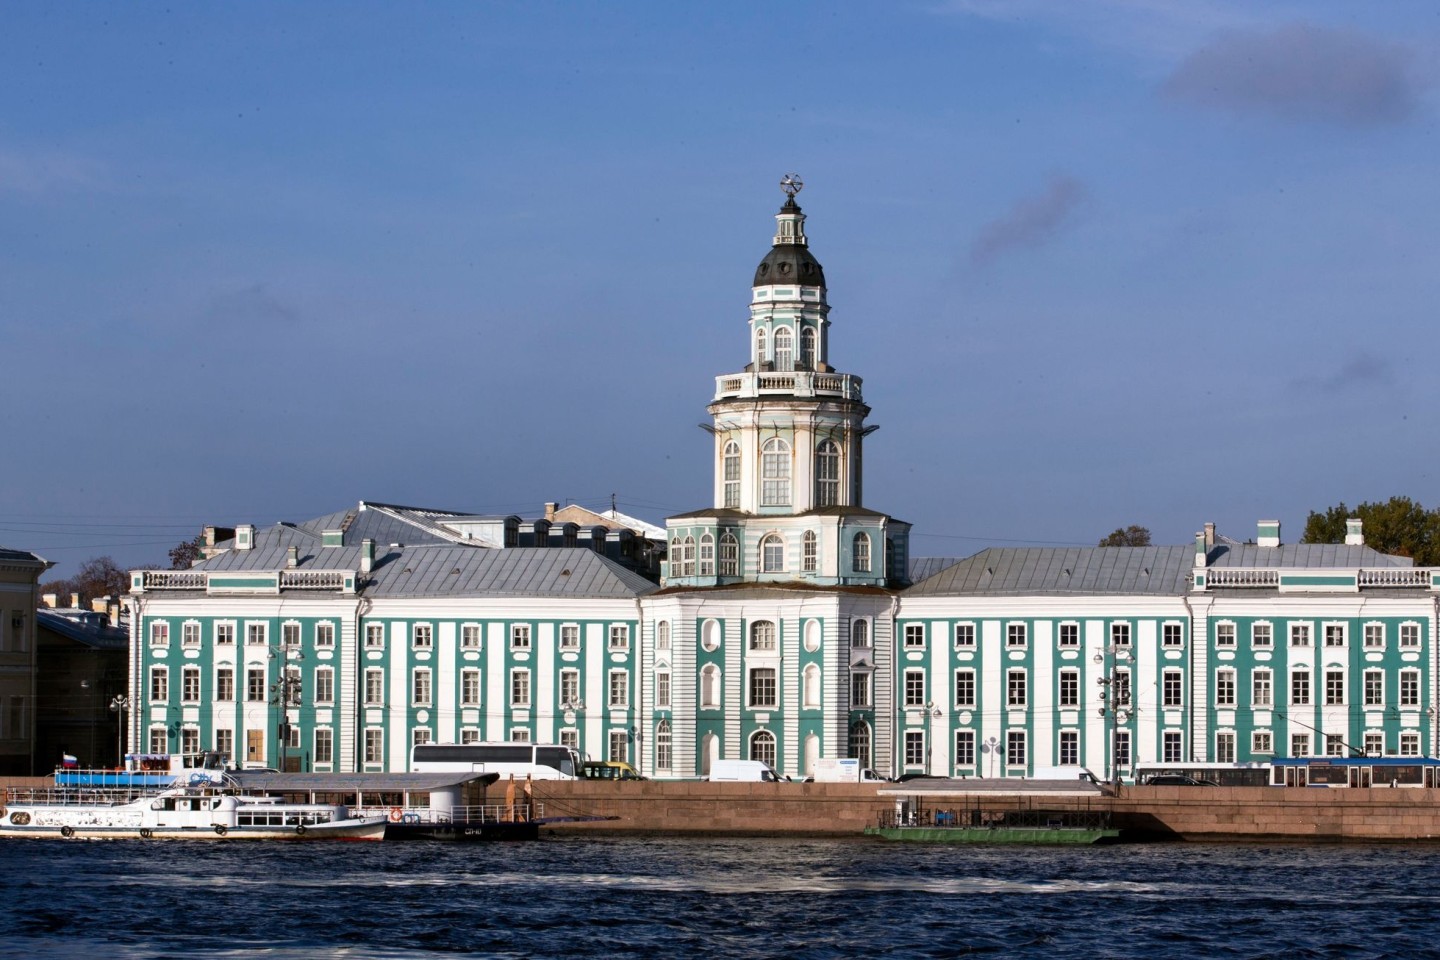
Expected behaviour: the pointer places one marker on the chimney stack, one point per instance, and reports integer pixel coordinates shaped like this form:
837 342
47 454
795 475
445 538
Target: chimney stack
367 555
292 557
1354 532
1209 535
1268 533
550 509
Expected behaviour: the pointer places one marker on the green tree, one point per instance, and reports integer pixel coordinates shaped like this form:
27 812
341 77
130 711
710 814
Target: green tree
1399 526
1131 536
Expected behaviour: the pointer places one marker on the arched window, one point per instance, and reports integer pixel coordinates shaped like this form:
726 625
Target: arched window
762 635
760 353
732 474
663 753
807 348
784 350
687 562
662 635
860 742
860 633
729 555
808 552
772 554
827 474
707 556
676 558
810 692
762 747
860 561
710 686
775 473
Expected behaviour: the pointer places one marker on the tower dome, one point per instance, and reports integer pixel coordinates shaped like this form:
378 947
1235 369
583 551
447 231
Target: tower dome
790 260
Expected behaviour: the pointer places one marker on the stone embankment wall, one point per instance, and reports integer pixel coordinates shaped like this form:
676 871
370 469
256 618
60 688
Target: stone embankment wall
1190 813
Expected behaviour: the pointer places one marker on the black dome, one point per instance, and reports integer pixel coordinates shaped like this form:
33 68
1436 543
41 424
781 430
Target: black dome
790 263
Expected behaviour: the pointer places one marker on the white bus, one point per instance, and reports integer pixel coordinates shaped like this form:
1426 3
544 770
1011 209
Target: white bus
541 761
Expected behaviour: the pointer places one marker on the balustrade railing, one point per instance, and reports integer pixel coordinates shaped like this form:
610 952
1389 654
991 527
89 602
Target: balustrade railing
803 383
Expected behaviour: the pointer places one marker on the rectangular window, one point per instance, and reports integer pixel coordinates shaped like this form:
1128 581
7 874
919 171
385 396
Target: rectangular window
1334 688
1374 744
1409 634
1069 688
1261 635
662 690
762 635
1225 747
190 740
374 745
763 688
1299 634
964 748
519 688
159 634
520 636
324 745
1122 688
1122 749
1409 744
1225 688
1261 742
1334 745
325 685
1224 634
1172 747
225 683
1069 747
964 634
225 634
620 688
1015 635
1016 693
570 636
914 688
860 690
374 687
470 686
375 636
190 635
257 634
1300 687
1334 634
255 685
619 747
422 636
662 635
159 740
471 735
1173 634
914 748
1260 689
1172 691
1069 634
470 636
190 687
1299 744
419 735
290 635
1374 635
619 636
225 742
1409 688
964 688
1014 748
1120 634
914 635
1374 688
325 635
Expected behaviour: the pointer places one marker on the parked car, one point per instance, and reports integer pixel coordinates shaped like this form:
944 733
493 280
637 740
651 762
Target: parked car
610 770
1175 780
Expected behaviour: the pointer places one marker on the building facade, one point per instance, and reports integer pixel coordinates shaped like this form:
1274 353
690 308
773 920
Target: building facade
789 622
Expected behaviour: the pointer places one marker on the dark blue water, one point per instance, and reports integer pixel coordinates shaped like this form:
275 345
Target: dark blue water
630 897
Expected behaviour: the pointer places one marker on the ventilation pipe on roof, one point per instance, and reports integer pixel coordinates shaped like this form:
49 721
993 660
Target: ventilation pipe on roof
1354 532
1209 535
1267 533
1202 551
367 555
292 557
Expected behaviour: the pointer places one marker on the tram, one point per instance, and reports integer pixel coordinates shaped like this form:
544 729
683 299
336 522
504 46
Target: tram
1355 772
1220 774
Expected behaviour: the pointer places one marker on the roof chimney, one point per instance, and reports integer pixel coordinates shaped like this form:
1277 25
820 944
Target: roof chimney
100 604
74 601
1354 532
550 509
1268 533
1209 535
51 600
1202 553
292 556
367 555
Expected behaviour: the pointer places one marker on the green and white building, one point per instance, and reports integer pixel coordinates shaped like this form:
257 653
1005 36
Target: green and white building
790 622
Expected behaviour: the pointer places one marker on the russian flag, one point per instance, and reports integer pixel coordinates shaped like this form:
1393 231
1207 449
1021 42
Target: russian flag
68 761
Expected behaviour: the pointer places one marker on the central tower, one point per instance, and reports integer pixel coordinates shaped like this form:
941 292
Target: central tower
789 431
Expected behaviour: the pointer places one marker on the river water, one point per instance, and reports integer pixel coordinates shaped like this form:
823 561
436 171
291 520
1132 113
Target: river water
687 897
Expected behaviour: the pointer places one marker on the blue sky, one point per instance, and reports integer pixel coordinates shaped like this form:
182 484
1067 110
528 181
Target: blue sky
1118 262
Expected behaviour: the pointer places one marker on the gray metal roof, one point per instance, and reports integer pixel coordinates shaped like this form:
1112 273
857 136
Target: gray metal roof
87 629
23 558
1330 555
1064 570
352 782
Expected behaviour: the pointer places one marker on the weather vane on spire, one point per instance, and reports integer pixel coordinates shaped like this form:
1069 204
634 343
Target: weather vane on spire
792 184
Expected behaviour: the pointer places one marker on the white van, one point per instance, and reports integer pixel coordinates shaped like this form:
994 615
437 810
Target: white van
847 770
1072 772
743 771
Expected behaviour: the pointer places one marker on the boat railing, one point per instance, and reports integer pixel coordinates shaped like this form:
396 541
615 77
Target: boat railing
78 796
991 819
478 813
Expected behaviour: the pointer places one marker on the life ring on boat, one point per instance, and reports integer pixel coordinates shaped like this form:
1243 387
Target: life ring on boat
67 832
300 829
146 834
220 830
396 814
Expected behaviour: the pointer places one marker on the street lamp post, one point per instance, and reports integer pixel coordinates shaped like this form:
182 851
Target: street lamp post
285 692
1115 706
118 705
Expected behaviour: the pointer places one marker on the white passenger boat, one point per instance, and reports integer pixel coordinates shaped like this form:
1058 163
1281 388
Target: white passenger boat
180 813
